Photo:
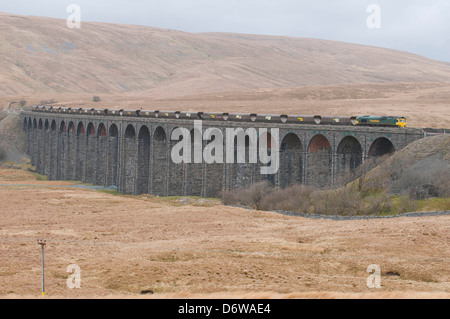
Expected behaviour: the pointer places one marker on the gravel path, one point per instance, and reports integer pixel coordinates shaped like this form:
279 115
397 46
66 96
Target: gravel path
58 186
334 217
317 216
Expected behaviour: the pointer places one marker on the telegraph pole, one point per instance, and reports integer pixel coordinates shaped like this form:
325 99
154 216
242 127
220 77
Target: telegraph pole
42 242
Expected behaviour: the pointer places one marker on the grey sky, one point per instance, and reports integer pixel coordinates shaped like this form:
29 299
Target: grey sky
416 26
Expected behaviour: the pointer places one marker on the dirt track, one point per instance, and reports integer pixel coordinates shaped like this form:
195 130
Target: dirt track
126 244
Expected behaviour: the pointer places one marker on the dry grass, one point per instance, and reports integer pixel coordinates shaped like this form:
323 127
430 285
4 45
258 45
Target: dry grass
111 58
127 244
422 103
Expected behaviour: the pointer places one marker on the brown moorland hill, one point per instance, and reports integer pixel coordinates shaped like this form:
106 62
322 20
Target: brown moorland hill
42 55
424 104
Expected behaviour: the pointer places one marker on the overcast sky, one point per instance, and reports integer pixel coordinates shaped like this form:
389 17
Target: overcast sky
416 26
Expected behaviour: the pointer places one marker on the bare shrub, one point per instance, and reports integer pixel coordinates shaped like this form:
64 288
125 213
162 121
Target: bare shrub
96 98
251 197
367 185
352 175
377 204
229 198
406 205
257 192
295 198
47 102
343 201
442 183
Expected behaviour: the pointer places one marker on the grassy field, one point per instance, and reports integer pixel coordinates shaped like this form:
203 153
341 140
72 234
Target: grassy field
185 249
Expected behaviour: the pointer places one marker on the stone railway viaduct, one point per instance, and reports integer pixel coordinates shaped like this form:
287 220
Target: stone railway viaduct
132 150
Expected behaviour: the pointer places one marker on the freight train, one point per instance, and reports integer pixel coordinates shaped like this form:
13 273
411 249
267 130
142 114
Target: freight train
393 121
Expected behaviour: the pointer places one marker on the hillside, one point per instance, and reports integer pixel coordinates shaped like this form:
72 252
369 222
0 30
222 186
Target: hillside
421 169
43 56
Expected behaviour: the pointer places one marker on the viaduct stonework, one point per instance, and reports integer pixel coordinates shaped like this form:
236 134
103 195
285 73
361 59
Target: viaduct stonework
131 150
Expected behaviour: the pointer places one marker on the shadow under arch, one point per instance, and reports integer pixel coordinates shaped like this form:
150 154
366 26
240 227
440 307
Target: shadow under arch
319 162
112 156
348 155
143 162
91 154
291 161
380 147
102 155
80 152
160 162
194 169
129 156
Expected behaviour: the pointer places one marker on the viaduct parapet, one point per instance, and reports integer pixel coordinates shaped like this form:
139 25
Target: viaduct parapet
131 150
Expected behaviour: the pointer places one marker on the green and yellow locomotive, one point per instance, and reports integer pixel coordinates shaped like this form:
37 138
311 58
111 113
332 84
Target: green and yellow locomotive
398 121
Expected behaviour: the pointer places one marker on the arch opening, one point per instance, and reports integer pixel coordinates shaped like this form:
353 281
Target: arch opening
143 160
194 170
349 155
380 147
130 153
112 156
319 162
101 131
291 161
160 161
176 170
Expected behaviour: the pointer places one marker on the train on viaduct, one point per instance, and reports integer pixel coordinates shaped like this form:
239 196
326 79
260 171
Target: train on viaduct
131 150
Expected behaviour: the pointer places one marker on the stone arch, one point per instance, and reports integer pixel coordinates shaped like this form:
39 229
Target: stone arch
319 168
291 161
71 151
91 154
101 155
32 140
194 170
143 165
71 128
380 147
53 150
129 160
113 130
348 155
214 172
242 173
176 170
80 129
270 143
80 152
160 160
130 132
26 129
112 155
40 152
62 127
91 129
101 130
61 157
47 149
53 126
